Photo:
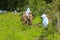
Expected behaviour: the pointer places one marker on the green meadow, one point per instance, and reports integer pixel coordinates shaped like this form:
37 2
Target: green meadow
11 28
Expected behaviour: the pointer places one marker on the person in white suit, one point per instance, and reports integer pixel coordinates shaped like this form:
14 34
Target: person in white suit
45 20
28 11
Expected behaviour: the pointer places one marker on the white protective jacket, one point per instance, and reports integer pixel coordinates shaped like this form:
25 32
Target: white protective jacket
45 20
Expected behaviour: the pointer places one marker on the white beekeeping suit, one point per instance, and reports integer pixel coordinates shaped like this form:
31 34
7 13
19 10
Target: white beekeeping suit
45 20
27 11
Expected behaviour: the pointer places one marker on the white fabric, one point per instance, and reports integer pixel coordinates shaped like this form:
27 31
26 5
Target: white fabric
45 20
27 11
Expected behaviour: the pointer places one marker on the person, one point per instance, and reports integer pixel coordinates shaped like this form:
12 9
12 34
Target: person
27 17
45 20
28 12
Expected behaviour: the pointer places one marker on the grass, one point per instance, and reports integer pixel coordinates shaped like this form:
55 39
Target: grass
11 28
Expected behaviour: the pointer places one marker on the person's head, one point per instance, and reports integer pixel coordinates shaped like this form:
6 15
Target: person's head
28 10
43 15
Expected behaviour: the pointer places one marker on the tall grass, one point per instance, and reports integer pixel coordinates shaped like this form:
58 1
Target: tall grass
11 28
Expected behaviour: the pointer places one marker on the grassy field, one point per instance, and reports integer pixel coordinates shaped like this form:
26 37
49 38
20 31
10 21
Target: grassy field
11 28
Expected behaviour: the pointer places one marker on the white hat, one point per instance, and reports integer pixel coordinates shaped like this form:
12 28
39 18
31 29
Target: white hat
28 10
43 15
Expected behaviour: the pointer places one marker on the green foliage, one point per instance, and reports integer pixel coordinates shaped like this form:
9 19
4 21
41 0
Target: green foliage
37 6
48 33
11 27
